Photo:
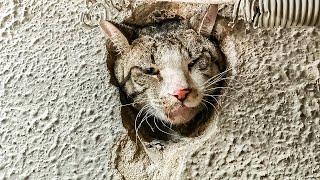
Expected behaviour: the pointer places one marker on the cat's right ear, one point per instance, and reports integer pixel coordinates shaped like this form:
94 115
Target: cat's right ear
118 37
118 42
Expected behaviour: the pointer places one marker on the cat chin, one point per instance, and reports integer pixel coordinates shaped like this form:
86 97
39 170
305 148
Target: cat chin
182 115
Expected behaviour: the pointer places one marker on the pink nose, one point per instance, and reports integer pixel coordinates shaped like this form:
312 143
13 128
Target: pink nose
181 94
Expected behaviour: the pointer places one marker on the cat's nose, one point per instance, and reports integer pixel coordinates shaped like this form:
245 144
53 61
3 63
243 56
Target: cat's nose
181 94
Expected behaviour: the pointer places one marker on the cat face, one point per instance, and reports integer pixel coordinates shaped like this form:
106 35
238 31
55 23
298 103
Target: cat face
167 74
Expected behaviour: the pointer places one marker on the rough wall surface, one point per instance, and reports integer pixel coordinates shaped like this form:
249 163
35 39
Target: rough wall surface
60 118
56 115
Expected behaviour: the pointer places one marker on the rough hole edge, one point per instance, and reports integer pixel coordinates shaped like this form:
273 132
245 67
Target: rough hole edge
193 129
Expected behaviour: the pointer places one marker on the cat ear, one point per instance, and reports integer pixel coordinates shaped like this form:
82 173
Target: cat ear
203 23
117 44
118 41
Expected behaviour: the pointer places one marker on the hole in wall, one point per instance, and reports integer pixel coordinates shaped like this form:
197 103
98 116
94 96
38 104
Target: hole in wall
141 126
148 128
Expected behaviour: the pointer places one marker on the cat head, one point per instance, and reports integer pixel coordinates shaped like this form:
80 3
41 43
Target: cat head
166 71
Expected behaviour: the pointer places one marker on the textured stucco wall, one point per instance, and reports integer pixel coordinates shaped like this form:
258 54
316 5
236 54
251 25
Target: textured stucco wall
58 115
60 118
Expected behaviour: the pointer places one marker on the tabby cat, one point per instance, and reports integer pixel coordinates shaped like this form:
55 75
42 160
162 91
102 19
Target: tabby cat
168 72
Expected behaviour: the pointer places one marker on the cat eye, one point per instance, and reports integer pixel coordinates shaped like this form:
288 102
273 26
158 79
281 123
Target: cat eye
192 63
203 63
151 71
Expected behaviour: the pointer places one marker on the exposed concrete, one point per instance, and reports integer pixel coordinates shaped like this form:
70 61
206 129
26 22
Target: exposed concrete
59 116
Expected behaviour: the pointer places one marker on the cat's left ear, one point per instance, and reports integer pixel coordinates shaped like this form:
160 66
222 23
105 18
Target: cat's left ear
204 23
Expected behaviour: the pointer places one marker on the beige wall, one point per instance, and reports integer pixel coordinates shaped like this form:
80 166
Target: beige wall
59 117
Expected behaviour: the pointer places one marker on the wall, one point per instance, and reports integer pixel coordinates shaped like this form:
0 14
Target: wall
60 118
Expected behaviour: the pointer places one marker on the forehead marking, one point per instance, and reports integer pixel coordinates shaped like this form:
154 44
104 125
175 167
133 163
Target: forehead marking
171 56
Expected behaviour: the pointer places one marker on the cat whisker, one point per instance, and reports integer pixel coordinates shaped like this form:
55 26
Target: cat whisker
141 111
218 102
211 104
140 142
150 126
212 81
136 120
167 115
207 110
149 99
235 76
216 76
139 100
244 75
142 100
219 74
140 124
208 95
205 106
133 103
164 124
154 120
218 87
226 78
145 118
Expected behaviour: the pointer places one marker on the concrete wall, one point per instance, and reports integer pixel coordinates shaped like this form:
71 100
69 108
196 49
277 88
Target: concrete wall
60 118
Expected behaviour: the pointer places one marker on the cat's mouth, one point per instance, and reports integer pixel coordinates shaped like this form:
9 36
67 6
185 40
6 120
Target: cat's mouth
181 114
179 110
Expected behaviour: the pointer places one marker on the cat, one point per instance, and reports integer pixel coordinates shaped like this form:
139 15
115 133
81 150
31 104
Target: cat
167 71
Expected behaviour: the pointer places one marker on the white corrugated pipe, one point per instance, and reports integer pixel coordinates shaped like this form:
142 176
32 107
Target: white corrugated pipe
270 13
279 13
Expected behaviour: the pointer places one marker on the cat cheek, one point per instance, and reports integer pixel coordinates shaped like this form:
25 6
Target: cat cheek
213 69
194 100
138 80
154 78
198 78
